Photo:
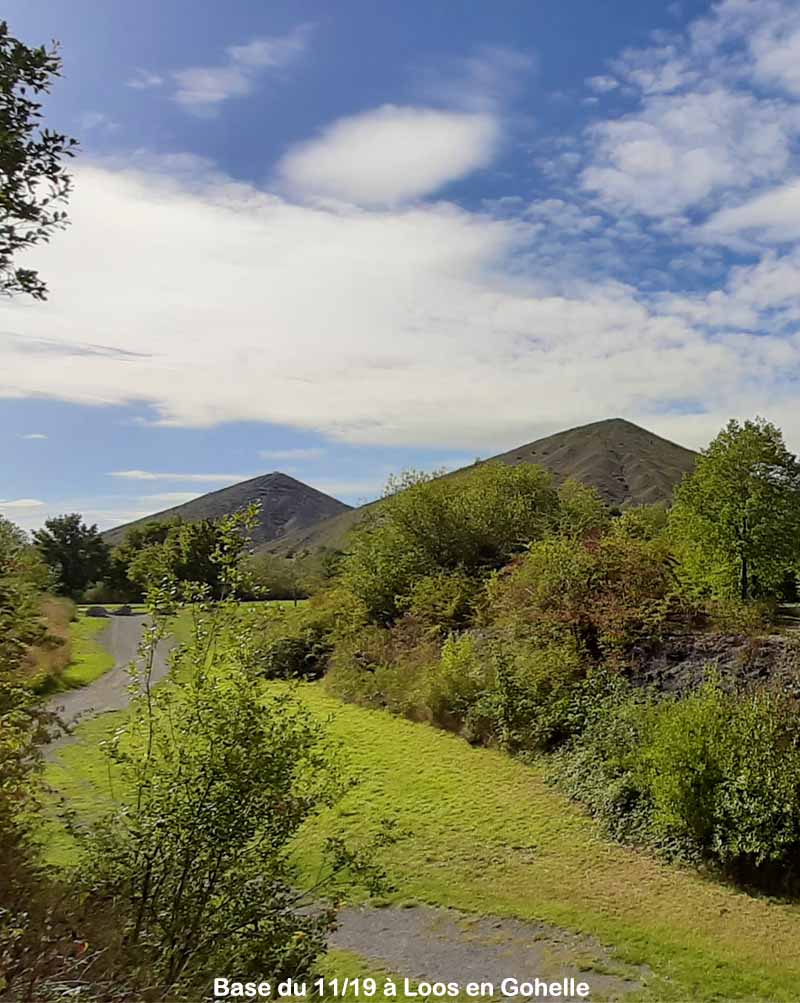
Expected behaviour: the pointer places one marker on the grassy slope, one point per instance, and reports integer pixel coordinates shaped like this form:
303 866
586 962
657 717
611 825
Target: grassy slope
88 659
485 833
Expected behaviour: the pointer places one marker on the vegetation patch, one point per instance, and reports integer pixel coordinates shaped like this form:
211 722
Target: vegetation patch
487 834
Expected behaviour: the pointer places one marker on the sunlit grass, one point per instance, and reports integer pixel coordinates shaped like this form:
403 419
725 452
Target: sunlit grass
484 833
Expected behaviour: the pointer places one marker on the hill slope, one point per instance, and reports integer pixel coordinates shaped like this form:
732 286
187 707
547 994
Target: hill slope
626 464
287 506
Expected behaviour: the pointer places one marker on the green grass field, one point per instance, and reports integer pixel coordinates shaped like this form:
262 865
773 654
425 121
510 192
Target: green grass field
486 834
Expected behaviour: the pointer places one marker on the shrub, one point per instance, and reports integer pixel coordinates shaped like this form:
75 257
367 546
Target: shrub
385 668
714 776
539 695
472 522
600 767
734 616
443 601
292 643
724 772
461 679
582 512
605 595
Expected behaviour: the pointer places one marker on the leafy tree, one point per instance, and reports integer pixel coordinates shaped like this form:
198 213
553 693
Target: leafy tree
474 521
117 581
182 552
278 577
33 180
199 861
641 522
736 518
22 725
75 552
582 510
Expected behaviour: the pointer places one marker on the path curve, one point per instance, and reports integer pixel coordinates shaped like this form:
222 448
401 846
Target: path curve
110 691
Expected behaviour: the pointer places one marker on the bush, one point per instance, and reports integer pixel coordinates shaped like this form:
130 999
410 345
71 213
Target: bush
386 668
734 616
292 643
470 523
724 772
459 684
443 601
600 768
539 696
714 776
605 595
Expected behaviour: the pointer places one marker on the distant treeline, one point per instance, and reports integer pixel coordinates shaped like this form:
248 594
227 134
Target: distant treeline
86 569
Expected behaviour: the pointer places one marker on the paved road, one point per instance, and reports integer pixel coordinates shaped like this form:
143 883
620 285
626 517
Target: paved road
110 691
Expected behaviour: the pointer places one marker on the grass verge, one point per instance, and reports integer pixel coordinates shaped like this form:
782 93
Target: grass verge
88 658
484 833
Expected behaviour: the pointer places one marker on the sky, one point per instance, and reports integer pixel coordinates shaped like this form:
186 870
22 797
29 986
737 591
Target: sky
342 240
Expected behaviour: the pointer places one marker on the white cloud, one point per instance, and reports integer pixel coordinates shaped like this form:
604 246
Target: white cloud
715 114
391 154
356 489
411 326
151 475
761 298
312 453
602 84
775 46
201 89
773 216
679 149
33 435
143 80
484 81
20 503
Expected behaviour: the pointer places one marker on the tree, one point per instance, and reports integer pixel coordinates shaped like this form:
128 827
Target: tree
76 552
474 521
33 180
736 518
118 582
198 861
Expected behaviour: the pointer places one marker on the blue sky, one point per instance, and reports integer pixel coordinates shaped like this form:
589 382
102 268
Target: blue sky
344 239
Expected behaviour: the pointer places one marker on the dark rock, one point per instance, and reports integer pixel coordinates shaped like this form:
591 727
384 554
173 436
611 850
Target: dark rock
683 663
96 611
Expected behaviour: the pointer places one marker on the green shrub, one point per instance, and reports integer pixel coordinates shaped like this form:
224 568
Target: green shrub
601 767
539 696
714 776
605 595
292 643
382 668
724 771
462 678
472 522
443 601
735 616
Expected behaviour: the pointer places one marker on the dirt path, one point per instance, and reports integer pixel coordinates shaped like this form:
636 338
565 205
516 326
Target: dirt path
110 691
444 945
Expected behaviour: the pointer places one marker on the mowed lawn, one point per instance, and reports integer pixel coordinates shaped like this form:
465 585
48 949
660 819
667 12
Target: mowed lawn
486 834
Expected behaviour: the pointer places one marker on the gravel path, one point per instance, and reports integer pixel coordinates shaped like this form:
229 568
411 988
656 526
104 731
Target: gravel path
444 945
110 691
